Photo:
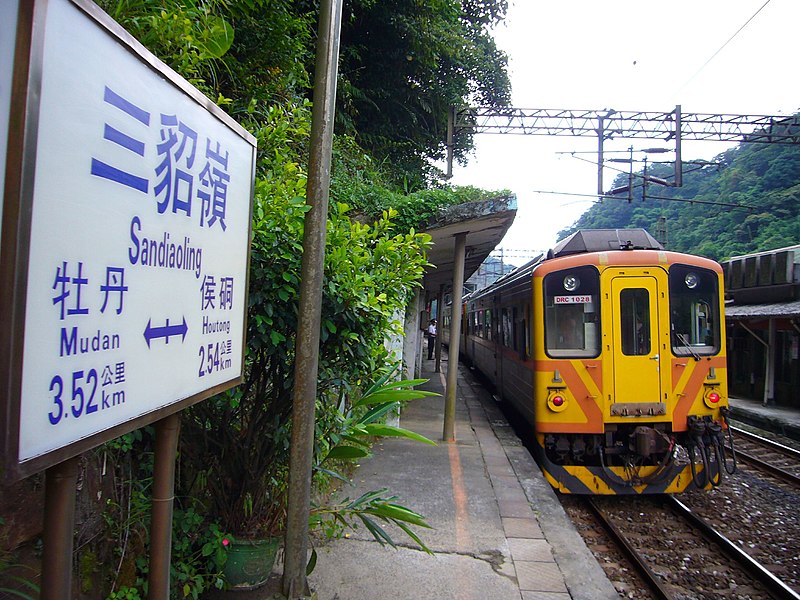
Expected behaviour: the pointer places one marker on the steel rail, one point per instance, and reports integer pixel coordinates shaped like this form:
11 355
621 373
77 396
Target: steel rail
652 580
754 568
767 442
761 464
771 469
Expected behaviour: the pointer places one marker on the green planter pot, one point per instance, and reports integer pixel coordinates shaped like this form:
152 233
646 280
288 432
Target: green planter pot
250 562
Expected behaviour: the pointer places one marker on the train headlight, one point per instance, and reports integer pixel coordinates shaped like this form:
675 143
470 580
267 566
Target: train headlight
691 280
572 283
556 401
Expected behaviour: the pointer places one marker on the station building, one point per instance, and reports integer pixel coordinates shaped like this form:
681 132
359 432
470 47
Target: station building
762 312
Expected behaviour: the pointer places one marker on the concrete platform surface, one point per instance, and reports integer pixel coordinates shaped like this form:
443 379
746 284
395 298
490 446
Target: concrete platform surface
498 530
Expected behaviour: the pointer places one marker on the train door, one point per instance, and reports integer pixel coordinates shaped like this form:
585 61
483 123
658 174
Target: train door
635 324
498 345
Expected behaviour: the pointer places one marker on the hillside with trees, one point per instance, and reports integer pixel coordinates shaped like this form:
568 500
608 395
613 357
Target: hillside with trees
746 200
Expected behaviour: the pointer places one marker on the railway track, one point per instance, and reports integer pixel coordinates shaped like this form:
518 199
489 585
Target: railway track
680 556
777 459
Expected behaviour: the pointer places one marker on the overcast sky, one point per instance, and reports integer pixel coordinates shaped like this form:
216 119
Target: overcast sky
629 55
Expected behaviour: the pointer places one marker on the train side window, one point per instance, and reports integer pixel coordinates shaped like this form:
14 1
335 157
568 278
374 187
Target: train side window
488 324
526 328
694 311
634 319
505 324
515 329
571 313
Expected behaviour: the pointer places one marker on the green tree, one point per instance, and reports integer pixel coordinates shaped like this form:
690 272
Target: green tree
404 63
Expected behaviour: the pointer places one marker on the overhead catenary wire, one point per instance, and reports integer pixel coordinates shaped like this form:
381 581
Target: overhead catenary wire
701 165
640 176
685 200
721 48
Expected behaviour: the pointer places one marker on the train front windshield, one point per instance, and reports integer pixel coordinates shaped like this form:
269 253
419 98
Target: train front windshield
572 321
694 309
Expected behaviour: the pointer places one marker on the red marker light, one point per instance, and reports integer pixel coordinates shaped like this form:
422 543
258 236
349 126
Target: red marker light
558 400
713 397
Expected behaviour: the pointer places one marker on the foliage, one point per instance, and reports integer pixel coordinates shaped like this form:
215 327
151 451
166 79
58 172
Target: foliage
272 55
746 202
348 439
404 64
189 36
125 593
363 184
369 275
365 510
358 421
14 579
198 553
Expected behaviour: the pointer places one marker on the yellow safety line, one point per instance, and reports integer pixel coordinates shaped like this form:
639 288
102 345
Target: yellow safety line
460 502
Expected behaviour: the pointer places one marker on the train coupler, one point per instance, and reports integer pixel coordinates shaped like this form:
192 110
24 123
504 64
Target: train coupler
648 441
706 440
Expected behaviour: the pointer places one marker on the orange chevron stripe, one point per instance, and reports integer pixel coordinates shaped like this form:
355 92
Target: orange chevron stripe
582 394
690 390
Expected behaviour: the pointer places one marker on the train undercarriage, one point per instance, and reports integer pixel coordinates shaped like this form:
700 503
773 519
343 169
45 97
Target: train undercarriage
635 459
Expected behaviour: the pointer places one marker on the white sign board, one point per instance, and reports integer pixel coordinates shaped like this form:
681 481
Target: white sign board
139 241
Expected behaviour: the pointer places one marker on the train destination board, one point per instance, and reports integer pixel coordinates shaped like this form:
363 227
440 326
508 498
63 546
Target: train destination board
136 269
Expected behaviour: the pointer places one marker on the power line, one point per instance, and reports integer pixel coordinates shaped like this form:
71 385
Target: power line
738 31
702 164
689 200
694 201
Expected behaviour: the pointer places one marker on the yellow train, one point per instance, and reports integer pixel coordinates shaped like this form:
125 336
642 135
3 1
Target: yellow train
613 350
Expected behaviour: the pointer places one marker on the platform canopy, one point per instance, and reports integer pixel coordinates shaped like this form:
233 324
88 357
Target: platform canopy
485 223
753 312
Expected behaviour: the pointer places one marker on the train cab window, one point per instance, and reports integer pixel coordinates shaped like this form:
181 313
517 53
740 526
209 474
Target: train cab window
694 311
572 316
634 318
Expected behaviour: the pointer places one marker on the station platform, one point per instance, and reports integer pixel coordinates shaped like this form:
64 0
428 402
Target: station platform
498 531
782 420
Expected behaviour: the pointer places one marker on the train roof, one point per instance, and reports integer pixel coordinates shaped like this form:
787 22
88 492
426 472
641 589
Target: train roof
580 242
603 240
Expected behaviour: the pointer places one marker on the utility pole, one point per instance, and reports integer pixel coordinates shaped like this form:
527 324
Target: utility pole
295 584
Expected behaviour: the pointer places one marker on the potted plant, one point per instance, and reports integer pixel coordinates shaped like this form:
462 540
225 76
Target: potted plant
237 462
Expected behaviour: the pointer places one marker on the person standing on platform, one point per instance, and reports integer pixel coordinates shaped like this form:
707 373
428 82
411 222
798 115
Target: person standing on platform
431 338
